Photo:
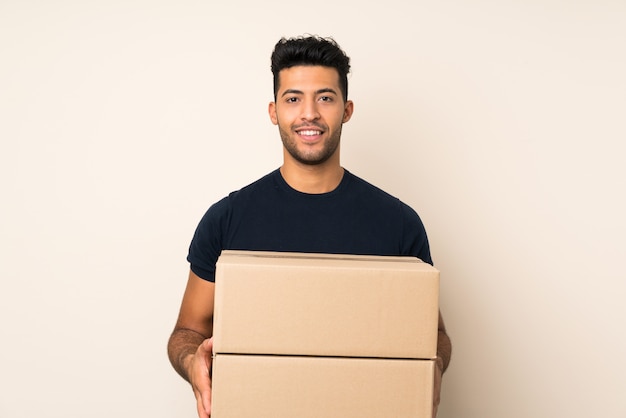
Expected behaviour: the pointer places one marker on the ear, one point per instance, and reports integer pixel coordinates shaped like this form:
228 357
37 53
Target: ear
347 112
272 111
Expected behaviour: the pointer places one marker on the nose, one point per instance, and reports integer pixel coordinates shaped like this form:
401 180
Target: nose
310 111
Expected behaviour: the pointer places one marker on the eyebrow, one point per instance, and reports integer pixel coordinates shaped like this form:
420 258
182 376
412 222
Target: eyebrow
320 91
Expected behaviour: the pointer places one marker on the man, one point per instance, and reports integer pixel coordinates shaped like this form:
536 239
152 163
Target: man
310 204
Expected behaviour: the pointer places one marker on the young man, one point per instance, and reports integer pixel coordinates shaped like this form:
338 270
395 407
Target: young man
310 204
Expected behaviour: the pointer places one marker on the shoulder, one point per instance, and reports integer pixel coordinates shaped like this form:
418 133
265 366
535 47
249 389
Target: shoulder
221 209
399 220
258 187
379 200
255 188
365 189
384 201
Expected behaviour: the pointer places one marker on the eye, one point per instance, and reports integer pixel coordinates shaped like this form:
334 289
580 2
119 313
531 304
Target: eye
326 99
291 99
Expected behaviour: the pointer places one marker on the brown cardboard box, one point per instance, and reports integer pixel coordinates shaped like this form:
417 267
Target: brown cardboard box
325 305
246 386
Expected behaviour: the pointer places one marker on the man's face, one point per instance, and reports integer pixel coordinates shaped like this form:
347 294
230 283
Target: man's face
309 111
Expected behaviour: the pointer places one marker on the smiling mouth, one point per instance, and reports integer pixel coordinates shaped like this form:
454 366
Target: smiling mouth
309 132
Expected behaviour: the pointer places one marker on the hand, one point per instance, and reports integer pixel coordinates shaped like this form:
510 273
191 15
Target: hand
199 372
437 385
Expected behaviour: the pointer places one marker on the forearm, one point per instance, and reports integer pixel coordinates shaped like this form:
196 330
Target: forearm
444 346
444 349
183 343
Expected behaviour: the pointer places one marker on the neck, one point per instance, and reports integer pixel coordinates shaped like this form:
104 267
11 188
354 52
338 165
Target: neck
312 179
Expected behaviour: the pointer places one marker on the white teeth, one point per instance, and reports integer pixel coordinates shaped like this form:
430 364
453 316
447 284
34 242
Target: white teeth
310 133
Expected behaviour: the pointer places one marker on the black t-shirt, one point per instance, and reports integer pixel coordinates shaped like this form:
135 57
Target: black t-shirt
269 215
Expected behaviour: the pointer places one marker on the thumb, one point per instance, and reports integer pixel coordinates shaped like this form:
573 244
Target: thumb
207 345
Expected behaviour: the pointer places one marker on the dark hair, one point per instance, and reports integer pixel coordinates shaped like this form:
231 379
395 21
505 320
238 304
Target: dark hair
310 50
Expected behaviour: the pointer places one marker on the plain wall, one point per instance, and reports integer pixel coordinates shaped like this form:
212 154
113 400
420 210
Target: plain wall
500 122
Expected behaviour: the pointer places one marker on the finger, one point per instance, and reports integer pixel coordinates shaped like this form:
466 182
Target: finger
206 401
203 384
204 387
203 392
202 413
437 387
207 345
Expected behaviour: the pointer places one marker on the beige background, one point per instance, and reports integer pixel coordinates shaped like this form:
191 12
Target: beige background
500 122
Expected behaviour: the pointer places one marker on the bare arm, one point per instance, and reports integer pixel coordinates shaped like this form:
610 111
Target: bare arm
444 346
444 352
190 345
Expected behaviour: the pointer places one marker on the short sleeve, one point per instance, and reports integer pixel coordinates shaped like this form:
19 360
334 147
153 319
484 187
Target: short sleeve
414 238
207 243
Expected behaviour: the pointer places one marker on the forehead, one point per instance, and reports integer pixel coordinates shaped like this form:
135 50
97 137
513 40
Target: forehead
306 77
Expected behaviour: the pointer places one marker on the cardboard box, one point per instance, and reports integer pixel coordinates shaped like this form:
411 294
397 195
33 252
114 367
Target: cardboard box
325 305
247 386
